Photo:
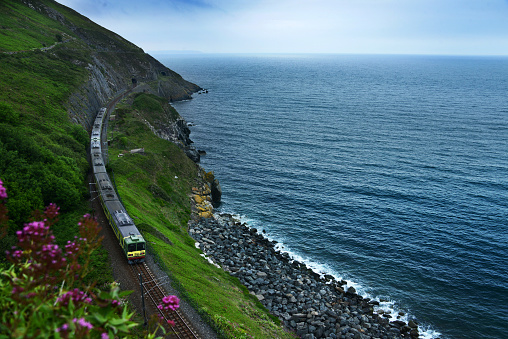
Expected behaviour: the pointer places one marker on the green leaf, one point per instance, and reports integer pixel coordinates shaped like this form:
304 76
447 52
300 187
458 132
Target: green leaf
100 318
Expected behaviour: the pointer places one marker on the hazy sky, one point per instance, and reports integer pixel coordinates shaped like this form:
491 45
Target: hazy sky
307 26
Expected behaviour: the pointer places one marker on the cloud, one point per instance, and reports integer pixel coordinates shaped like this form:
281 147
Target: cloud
334 26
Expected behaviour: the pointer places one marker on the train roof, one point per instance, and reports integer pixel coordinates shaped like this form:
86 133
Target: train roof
117 211
122 219
134 239
105 187
130 231
96 154
98 165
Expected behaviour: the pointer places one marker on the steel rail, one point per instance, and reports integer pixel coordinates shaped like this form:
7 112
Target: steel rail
151 288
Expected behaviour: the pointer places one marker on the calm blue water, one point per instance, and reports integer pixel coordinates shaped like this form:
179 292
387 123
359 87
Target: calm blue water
388 171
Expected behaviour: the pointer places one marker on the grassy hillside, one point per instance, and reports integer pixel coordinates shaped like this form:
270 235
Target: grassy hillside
34 24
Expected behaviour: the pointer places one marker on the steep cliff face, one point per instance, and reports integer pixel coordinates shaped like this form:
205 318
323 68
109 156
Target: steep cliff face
162 119
113 64
177 132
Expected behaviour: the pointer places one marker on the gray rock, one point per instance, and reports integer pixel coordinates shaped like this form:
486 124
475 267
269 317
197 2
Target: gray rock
298 296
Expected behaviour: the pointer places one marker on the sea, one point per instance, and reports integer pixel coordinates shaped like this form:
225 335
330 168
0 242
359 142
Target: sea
388 171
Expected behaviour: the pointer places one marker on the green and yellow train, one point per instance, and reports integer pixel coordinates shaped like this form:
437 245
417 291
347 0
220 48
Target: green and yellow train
129 237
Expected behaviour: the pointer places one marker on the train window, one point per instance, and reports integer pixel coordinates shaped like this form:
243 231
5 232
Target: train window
131 248
141 246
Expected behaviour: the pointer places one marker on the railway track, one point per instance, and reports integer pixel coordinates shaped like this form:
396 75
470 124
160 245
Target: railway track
153 292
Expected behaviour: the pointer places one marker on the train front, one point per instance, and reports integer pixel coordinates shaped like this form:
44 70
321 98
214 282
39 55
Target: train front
135 248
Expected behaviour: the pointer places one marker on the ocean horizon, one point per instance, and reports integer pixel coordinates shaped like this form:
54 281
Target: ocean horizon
388 171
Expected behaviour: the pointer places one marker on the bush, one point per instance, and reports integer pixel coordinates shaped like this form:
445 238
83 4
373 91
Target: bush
42 293
8 114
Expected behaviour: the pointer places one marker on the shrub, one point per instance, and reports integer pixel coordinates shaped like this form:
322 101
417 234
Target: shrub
42 292
8 114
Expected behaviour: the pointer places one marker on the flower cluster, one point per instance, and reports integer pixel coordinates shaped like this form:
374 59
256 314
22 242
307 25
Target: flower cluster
78 328
35 231
83 323
51 212
3 211
63 329
169 302
76 296
36 246
3 193
43 289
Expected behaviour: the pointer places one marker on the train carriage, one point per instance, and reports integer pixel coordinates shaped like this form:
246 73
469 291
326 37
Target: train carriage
106 190
95 145
98 164
127 233
129 237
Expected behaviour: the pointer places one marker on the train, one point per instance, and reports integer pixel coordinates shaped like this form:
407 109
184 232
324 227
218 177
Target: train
130 239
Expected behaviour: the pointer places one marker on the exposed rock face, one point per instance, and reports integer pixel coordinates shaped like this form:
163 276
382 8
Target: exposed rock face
176 131
216 193
106 80
179 133
113 63
192 153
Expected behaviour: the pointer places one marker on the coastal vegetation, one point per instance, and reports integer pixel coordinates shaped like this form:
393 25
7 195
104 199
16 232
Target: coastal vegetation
42 153
44 292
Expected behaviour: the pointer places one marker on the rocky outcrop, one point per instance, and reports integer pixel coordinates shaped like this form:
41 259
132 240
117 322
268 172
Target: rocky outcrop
103 84
216 192
178 133
202 201
106 81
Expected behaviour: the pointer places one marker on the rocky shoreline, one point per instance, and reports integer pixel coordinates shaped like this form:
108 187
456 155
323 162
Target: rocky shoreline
310 305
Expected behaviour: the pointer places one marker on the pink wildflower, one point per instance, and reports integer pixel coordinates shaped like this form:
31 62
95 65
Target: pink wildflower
17 290
52 211
83 323
169 302
3 193
76 296
63 328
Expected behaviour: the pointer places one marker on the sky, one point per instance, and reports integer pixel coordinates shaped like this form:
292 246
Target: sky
441 27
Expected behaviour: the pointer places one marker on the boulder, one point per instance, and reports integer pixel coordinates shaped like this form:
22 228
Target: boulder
412 324
206 214
216 191
351 290
192 153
